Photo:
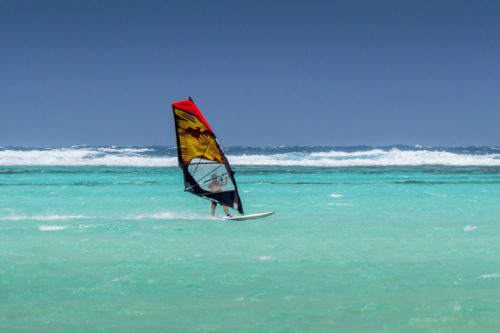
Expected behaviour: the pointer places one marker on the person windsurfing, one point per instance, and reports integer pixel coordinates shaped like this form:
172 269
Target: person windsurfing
215 185
205 168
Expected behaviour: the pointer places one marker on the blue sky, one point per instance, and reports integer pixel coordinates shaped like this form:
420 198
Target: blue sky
263 72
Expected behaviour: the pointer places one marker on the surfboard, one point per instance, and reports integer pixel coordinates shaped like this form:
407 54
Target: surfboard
249 216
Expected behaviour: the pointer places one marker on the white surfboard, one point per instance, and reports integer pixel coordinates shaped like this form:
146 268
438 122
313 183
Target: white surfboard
249 216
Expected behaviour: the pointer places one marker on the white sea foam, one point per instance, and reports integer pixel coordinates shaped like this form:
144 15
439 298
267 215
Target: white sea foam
83 157
336 195
470 227
489 276
340 204
85 226
168 216
112 156
333 153
124 150
376 157
42 217
52 227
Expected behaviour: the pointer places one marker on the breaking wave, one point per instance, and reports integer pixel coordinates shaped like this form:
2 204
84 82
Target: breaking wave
84 156
277 156
376 157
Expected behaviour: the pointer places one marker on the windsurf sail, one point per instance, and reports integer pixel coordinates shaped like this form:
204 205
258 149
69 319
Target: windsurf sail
206 171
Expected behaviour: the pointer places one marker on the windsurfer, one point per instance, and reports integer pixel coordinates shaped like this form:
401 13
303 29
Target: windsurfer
216 184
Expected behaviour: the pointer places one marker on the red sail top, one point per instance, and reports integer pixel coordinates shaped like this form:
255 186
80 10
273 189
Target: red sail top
189 106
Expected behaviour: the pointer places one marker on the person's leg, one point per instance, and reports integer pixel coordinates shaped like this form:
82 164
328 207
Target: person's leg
212 208
226 210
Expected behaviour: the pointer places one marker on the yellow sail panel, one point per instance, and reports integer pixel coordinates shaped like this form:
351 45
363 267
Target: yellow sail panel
195 139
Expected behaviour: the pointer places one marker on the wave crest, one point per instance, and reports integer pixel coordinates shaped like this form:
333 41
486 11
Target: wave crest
375 157
166 157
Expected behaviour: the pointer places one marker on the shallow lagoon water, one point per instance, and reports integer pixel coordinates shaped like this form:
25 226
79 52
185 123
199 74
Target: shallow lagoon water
124 249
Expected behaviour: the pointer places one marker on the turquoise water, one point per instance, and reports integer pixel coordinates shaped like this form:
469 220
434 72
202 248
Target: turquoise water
358 249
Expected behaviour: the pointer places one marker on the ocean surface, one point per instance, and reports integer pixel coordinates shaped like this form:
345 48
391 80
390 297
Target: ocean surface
364 239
